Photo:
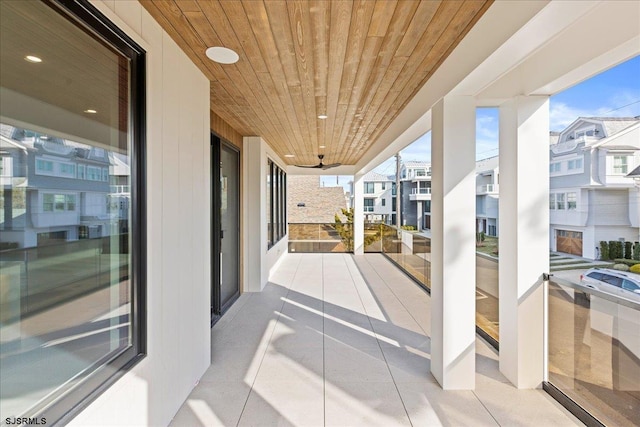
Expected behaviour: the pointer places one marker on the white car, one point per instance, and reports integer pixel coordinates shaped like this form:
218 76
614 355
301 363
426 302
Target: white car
613 282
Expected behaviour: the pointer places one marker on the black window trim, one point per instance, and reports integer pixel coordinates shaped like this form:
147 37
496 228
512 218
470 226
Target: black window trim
277 194
92 382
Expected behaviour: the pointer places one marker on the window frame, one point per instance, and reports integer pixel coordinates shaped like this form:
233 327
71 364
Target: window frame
369 187
276 203
92 383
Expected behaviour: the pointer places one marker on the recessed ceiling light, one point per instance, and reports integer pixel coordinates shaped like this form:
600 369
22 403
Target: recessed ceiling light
222 55
33 59
90 111
289 155
322 146
322 116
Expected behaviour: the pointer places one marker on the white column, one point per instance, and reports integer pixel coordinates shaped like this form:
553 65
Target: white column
254 202
524 237
453 281
419 213
358 214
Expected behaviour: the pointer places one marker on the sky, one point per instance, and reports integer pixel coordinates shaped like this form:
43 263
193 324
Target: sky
613 93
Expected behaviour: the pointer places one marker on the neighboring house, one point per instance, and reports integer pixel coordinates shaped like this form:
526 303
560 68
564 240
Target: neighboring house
591 198
379 198
416 194
487 175
59 189
308 202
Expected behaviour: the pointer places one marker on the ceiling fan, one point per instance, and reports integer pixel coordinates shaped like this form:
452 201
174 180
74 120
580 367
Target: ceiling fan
320 165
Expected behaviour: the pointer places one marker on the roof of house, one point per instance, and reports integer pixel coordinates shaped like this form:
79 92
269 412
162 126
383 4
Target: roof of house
377 177
614 125
488 164
634 173
320 203
415 164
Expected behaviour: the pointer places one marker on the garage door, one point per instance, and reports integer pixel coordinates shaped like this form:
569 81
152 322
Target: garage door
569 242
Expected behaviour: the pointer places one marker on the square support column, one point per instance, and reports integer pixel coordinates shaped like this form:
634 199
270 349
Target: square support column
358 214
453 251
524 237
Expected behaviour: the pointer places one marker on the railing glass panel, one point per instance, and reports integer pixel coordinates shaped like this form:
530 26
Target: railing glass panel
594 351
320 237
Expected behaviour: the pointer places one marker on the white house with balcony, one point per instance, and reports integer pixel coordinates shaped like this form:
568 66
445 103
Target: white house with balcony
416 194
590 198
487 200
379 197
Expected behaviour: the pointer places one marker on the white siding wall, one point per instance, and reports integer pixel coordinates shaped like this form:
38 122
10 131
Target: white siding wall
609 207
178 218
261 260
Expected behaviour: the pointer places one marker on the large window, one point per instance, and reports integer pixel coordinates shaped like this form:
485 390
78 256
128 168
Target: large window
620 165
71 260
369 187
276 203
368 205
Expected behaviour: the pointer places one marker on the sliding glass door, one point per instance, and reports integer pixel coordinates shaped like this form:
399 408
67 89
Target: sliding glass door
225 226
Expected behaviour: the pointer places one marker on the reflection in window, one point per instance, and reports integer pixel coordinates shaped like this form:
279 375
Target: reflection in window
68 293
276 203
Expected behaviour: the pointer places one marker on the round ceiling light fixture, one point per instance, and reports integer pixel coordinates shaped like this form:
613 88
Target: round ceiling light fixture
222 55
322 116
33 59
90 111
289 155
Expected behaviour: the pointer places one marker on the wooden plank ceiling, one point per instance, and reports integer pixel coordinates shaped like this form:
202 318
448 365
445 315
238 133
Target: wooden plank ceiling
358 62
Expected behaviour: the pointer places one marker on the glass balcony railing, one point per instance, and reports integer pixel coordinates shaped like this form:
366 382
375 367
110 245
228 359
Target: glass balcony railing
410 251
44 277
594 351
320 237
487 312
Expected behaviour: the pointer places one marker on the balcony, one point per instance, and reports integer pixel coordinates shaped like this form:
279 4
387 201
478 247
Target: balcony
120 189
487 189
420 194
337 339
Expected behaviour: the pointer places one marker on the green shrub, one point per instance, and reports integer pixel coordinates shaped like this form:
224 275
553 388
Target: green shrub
621 267
636 251
408 227
604 250
624 261
615 249
627 250
635 269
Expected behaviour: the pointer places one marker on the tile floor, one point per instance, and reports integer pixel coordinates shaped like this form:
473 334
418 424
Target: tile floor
342 340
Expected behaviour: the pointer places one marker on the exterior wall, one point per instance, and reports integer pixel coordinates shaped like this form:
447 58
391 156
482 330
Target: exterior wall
634 207
409 207
260 260
378 195
178 234
609 207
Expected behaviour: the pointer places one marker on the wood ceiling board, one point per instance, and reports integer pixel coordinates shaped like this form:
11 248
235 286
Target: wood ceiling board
340 20
466 17
280 24
358 62
259 24
407 79
299 18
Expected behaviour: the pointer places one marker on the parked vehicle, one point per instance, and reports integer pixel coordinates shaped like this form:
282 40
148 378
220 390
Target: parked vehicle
613 282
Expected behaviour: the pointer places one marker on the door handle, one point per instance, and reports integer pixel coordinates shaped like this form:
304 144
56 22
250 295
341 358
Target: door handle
222 234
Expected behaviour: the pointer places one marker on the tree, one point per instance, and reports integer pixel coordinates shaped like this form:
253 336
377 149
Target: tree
345 230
